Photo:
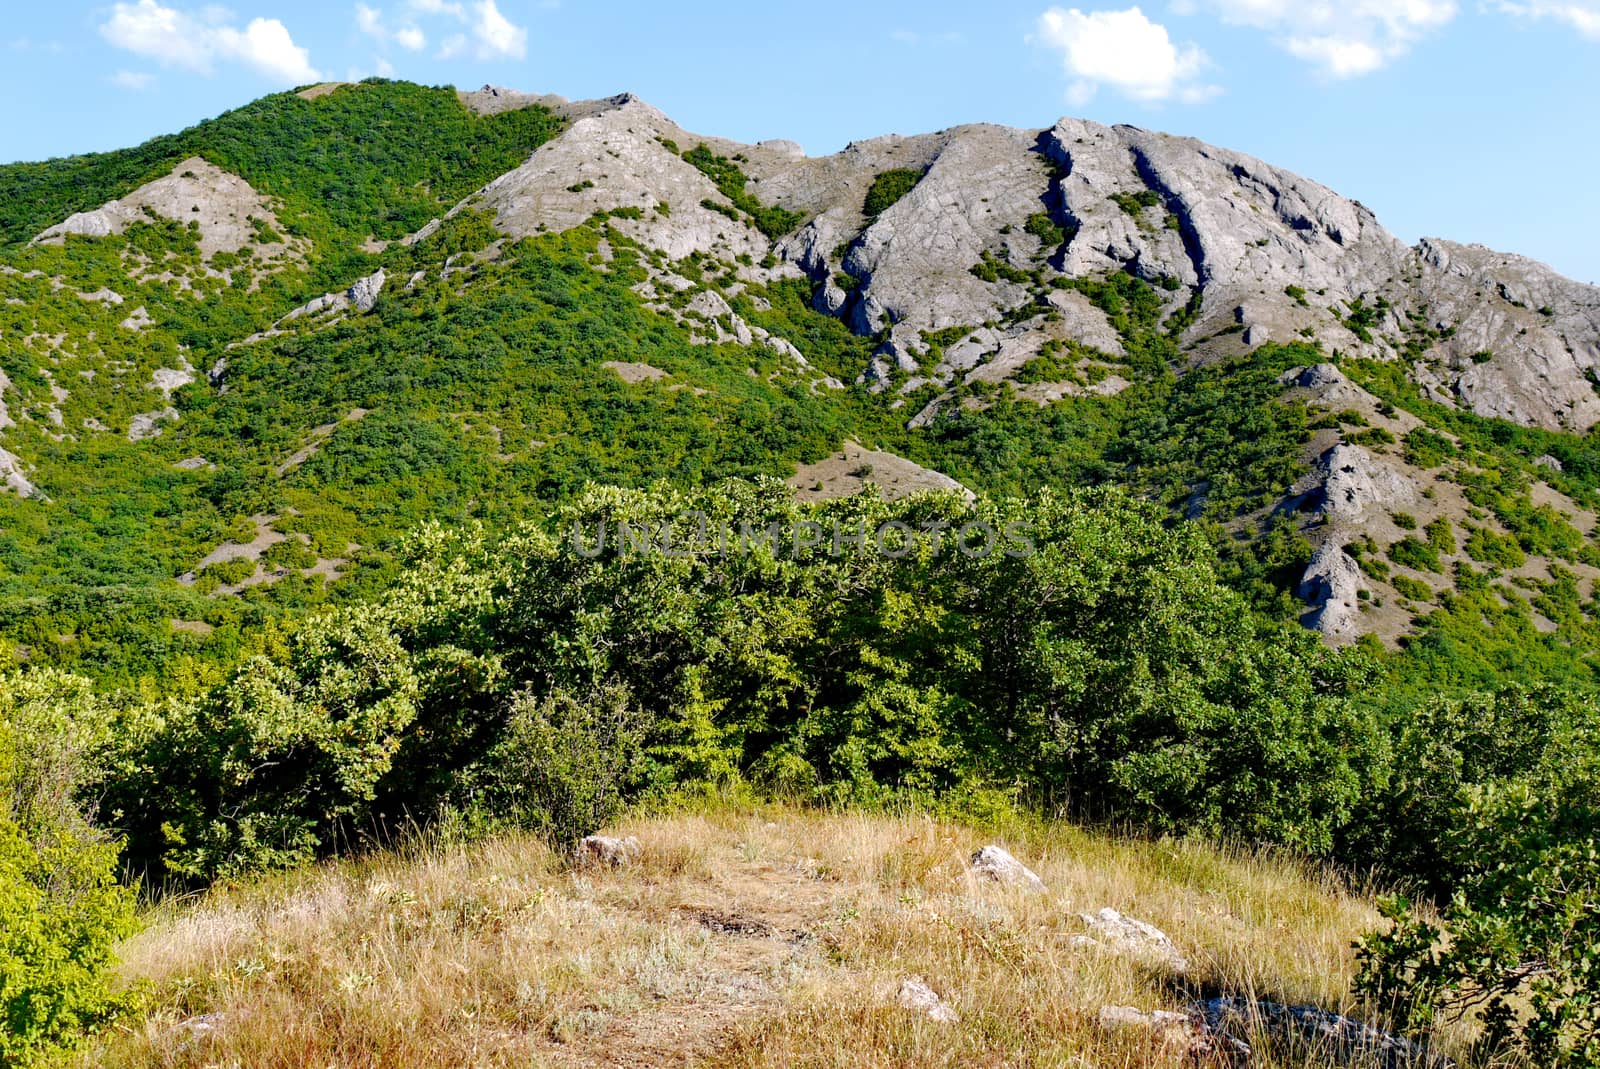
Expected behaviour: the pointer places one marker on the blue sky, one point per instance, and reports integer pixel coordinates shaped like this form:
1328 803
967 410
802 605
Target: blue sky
1477 120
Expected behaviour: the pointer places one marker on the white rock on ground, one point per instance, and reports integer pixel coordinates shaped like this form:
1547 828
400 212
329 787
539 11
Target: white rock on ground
605 850
918 997
996 864
1121 934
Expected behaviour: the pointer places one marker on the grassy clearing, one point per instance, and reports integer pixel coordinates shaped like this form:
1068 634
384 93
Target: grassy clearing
753 937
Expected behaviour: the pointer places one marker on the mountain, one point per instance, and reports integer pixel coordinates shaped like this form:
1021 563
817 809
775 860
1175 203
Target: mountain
239 362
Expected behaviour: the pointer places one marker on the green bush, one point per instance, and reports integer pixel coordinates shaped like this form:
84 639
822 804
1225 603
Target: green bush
887 188
61 908
1416 554
1519 942
564 766
1050 233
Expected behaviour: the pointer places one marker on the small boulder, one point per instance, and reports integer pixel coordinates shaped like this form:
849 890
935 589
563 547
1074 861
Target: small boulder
605 850
1124 935
996 864
1183 1034
918 997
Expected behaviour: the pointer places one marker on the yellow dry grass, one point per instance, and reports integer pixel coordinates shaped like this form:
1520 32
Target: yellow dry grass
768 937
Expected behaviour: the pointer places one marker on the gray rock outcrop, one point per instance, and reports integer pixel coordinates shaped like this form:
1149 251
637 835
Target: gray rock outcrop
1270 254
995 864
918 997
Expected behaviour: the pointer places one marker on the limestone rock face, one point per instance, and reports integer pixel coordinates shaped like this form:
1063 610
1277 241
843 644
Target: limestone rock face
222 204
1122 934
13 477
605 850
616 159
1523 339
363 295
918 997
916 258
1356 485
1257 253
1332 586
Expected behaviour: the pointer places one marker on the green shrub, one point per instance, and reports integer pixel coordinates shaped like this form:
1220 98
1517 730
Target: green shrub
887 188
1412 588
61 908
1486 547
1047 230
564 766
1501 795
1404 520
1426 449
1416 554
1135 203
1441 536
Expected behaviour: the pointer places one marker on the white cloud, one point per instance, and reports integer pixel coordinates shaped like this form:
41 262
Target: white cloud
134 81
439 7
497 36
1340 39
198 43
488 33
1125 51
1581 15
369 20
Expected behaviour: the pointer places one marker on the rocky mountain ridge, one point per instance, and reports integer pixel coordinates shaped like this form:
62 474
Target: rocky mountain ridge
978 264
1258 253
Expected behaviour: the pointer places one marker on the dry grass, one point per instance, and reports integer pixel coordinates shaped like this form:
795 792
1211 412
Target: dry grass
741 938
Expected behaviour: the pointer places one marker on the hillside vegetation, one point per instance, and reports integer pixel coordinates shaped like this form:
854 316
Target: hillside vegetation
380 516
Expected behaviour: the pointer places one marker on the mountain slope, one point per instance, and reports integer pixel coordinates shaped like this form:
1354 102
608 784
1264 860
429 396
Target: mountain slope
241 360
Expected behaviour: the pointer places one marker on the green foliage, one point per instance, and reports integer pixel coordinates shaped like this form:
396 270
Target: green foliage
1501 795
564 766
1411 588
1416 554
1049 232
1134 204
1361 318
887 188
418 152
730 181
1486 547
61 908
1441 536
1426 449
1109 671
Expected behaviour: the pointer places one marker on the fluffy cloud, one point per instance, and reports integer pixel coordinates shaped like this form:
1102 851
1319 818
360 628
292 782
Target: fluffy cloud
1340 39
370 21
198 43
1125 51
488 34
1581 15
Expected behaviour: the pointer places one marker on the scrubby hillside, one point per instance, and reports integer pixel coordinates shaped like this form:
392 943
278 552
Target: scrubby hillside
738 938
242 360
377 456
